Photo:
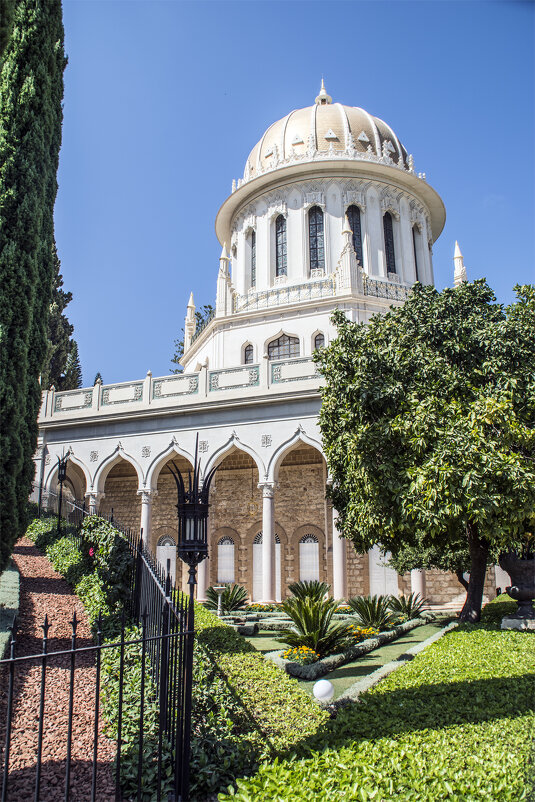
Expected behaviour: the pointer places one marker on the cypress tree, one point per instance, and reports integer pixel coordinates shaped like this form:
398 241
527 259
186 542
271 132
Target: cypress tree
59 332
73 370
31 92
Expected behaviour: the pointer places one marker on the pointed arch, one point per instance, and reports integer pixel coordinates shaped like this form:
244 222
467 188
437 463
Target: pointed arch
234 444
49 481
300 436
153 471
106 465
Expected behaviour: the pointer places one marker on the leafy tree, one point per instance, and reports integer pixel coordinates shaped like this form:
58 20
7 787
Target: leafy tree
73 370
428 423
201 317
59 332
31 92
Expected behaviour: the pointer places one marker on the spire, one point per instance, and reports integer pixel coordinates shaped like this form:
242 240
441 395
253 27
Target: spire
323 99
224 260
459 273
191 304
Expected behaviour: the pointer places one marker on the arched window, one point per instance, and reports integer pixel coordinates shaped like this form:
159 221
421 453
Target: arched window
253 258
283 347
389 243
353 216
319 341
281 251
415 248
257 568
225 561
166 556
309 558
248 355
315 239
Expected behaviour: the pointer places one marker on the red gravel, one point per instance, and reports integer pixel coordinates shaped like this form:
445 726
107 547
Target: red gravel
44 591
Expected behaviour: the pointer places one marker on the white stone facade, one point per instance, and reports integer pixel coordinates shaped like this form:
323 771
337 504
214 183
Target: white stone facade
253 404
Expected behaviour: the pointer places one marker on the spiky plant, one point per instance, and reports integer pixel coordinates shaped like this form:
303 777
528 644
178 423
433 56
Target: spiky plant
313 626
233 598
372 611
407 606
309 589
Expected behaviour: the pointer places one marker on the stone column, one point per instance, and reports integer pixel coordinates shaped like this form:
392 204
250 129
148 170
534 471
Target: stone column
146 513
202 579
418 582
339 563
268 542
93 499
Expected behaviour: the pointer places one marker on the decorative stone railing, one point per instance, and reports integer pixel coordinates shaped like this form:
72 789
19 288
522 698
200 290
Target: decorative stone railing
385 289
180 390
285 295
203 325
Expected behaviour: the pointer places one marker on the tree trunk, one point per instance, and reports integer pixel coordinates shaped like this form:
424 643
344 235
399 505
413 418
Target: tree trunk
460 576
479 553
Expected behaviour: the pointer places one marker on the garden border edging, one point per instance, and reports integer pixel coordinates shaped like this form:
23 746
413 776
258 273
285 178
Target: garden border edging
362 685
9 603
314 670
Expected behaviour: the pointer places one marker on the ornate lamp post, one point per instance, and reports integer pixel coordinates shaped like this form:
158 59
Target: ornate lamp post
62 475
192 548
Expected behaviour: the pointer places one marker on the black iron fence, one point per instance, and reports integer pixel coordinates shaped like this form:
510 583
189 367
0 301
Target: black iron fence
155 653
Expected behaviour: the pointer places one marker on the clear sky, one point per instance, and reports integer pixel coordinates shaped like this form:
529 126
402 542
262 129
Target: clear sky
164 101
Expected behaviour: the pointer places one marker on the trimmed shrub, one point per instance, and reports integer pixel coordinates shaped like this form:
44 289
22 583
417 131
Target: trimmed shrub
44 531
111 555
67 559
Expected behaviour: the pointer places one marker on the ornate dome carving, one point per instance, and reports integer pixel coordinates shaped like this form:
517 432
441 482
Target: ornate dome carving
323 131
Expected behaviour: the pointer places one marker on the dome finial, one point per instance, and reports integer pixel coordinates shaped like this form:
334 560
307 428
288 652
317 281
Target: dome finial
323 99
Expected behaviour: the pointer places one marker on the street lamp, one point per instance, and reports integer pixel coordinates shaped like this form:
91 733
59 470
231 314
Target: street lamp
192 548
62 475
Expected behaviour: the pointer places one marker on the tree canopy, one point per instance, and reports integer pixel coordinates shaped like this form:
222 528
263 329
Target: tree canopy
428 424
59 332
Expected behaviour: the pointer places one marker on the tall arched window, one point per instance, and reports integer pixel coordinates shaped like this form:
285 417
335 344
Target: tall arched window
225 561
316 239
281 251
353 216
283 347
166 556
415 248
257 568
309 558
389 243
319 341
248 355
253 258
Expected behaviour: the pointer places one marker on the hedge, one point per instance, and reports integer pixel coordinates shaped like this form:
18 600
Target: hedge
455 723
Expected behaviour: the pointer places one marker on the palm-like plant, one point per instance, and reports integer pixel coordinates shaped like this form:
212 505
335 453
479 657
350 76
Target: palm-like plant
233 598
372 611
309 589
313 627
407 606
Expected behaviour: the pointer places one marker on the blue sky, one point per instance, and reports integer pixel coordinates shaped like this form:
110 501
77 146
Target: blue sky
164 101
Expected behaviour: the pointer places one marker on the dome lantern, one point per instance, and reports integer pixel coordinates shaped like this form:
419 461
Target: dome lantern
323 99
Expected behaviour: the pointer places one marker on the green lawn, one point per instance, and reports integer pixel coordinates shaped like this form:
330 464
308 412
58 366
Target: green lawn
456 724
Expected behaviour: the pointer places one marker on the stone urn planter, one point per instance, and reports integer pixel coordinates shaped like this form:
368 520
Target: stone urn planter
522 590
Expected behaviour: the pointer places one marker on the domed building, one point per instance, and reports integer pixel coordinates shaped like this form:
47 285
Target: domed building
329 214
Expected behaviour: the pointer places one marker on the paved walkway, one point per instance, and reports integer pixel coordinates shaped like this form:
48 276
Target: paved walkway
42 591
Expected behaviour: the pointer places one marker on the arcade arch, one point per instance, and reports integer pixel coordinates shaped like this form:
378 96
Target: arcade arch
119 485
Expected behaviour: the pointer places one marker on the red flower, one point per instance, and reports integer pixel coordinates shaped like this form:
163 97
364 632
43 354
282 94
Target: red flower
91 552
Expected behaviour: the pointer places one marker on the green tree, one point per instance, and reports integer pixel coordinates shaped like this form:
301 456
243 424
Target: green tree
31 92
59 332
428 422
73 370
202 316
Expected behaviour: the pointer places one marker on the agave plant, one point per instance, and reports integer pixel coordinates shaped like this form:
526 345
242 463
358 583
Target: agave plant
407 606
372 611
233 598
309 589
313 626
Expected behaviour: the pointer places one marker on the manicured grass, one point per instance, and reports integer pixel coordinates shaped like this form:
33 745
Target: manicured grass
456 724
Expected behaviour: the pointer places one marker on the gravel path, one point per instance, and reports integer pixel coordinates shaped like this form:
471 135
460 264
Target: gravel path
44 591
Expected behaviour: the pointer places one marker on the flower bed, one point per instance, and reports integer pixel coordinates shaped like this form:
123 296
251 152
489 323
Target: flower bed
327 664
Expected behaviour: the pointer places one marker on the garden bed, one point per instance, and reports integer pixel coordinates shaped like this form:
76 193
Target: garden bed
323 666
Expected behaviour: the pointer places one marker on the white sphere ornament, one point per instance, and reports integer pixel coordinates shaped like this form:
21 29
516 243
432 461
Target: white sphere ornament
323 690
